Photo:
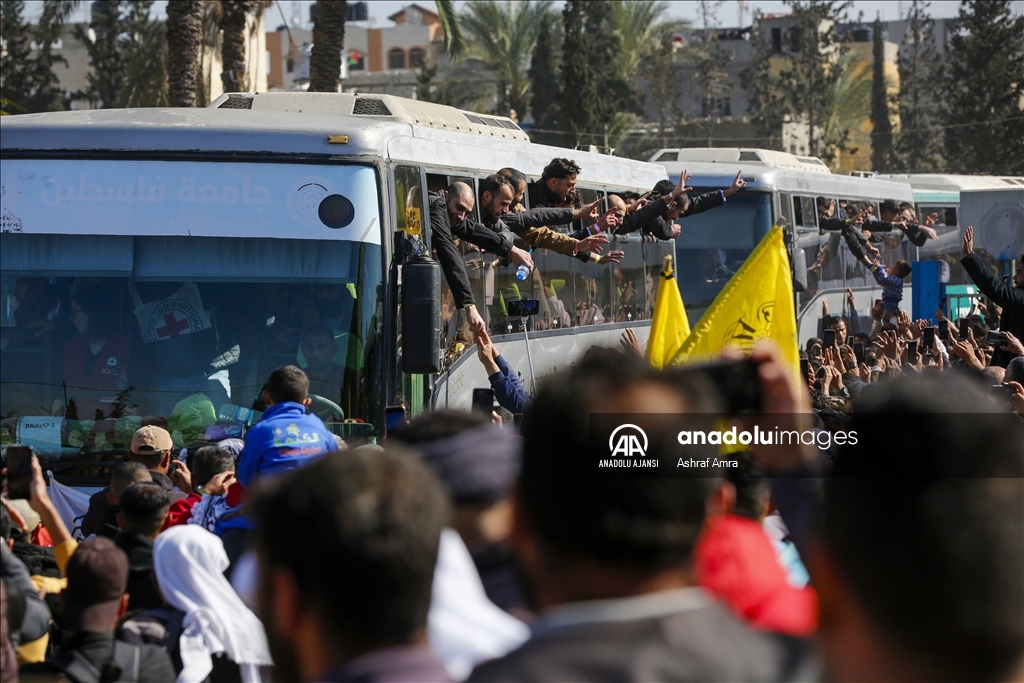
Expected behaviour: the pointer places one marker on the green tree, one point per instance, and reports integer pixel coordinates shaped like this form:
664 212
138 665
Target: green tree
881 125
802 90
463 87
664 83
640 26
611 90
28 83
328 44
847 102
984 90
454 41
918 145
545 80
503 36
16 78
127 52
185 41
768 110
578 96
710 62
102 40
144 80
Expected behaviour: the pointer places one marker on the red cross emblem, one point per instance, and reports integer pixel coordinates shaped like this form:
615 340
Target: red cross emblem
173 326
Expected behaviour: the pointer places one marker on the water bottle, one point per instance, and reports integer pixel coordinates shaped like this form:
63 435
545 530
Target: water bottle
522 272
238 415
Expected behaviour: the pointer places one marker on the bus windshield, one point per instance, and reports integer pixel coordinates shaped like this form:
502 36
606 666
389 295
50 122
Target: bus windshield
107 324
713 245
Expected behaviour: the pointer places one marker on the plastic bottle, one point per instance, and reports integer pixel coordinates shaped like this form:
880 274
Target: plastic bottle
522 272
238 415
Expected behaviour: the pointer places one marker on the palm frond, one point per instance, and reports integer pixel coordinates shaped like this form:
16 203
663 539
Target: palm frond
454 42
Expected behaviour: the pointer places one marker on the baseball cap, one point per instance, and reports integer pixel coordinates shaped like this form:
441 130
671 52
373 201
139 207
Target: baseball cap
151 438
97 575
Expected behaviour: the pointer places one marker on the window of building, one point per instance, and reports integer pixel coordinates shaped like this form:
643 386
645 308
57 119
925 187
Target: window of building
717 106
289 65
776 40
417 56
396 58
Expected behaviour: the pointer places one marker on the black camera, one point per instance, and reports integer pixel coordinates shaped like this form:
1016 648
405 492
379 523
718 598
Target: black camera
996 339
522 308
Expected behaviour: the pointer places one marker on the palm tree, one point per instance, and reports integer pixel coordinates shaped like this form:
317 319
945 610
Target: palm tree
454 42
848 102
236 15
502 36
328 44
640 24
184 41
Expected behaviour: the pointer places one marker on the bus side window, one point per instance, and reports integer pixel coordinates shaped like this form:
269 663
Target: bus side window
436 182
804 212
786 209
409 203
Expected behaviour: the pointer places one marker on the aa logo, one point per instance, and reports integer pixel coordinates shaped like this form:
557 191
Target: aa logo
751 327
631 441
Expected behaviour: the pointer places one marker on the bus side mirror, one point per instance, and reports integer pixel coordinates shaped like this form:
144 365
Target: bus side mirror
799 270
421 317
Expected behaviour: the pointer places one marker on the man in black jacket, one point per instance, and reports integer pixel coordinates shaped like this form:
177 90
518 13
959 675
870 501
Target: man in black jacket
94 600
143 511
607 561
450 212
1009 295
658 217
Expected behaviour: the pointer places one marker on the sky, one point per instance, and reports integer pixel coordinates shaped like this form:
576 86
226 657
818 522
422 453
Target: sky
728 13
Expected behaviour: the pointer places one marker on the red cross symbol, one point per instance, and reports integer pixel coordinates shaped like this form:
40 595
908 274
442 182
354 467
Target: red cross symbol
173 327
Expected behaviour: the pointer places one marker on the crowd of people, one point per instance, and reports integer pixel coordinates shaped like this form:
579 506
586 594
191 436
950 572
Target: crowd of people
471 547
856 351
510 231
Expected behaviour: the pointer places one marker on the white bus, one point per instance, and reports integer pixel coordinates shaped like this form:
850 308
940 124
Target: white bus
781 189
941 194
161 262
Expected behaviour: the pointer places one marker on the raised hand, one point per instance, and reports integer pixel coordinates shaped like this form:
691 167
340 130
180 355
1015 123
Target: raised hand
630 344
594 242
587 210
737 184
968 247
611 257
681 187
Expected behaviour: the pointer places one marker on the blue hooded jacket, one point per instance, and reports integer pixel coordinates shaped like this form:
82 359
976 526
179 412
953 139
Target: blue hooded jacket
286 438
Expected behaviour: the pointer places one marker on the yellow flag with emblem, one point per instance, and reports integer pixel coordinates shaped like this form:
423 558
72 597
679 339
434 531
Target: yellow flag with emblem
669 325
756 303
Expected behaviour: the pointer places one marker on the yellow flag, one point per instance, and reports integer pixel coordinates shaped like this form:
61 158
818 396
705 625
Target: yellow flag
757 303
669 327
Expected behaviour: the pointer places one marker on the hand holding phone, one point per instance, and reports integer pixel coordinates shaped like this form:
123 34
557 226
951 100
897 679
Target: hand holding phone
928 337
483 401
828 339
943 330
19 472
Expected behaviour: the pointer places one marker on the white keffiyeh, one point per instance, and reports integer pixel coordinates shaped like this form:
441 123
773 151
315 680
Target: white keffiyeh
189 562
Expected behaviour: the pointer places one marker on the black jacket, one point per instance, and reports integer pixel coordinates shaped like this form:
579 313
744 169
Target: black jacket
1004 294
540 195
142 591
98 649
650 220
703 644
449 256
163 627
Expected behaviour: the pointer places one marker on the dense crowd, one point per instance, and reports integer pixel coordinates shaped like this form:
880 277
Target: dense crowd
471 545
